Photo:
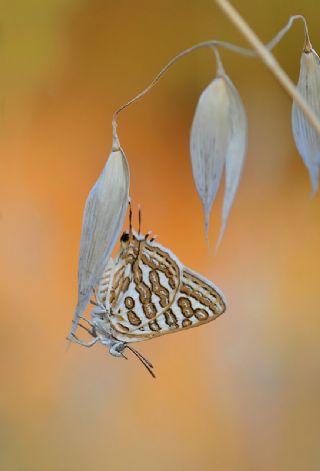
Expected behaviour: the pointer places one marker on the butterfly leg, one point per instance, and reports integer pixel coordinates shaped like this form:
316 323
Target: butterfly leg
130 221
75 339
91 331
87 320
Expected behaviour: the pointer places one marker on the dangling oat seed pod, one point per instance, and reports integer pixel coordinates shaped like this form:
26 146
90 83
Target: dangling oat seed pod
103 217
306 137
218 141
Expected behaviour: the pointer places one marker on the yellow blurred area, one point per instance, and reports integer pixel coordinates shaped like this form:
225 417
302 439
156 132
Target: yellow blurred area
241 393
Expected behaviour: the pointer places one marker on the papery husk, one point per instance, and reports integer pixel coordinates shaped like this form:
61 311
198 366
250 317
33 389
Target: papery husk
103 218
208 142
306 137
218 141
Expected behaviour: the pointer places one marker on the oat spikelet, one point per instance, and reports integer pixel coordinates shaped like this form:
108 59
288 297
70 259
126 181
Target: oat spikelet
218 141
306 137
208 142
103 218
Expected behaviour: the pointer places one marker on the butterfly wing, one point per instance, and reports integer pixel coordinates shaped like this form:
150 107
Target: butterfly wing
163 297
104 287
149 289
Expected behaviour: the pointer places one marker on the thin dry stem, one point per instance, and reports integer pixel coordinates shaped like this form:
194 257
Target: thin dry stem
204 44
213 44
269 60
220 68
286 28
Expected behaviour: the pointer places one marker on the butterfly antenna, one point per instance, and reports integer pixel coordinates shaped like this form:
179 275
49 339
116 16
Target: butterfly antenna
130 221
139 230
139 213
143 360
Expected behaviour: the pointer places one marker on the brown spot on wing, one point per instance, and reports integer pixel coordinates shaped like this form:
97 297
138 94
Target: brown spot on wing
154 326
122 328
186 307
170 318
150 310
133 318
202 299
164 263
186 323
158 289
201 314
129 302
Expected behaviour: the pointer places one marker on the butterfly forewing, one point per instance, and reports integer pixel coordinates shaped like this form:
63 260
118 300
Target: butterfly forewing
149 289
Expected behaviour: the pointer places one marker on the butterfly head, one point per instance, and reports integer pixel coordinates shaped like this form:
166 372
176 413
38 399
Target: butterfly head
130 240
125 239
116 348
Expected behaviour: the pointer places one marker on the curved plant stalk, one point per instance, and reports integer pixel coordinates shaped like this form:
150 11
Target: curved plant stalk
202 45
232 175
107 201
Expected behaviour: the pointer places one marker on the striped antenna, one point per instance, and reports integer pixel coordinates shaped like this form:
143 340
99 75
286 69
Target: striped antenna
139 213
130 221
143 360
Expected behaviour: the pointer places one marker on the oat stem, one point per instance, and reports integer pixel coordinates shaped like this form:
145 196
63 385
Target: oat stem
286 28
269 60
204 44
215 44
220 68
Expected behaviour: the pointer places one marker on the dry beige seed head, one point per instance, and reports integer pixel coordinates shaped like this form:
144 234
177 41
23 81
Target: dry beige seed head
209 141
218 140
103 218
306 137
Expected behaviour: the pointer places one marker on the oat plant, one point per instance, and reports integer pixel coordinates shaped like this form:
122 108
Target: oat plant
218 143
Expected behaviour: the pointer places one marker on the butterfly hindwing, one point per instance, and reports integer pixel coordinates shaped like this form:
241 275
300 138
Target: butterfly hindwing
199 300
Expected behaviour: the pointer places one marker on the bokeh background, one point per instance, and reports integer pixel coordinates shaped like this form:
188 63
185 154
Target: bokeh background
241 393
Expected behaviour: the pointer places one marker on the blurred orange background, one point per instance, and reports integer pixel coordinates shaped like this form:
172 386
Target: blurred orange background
241 393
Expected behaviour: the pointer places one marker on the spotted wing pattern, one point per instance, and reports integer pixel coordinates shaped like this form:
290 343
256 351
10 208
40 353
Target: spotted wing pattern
145 284
103 291
162 296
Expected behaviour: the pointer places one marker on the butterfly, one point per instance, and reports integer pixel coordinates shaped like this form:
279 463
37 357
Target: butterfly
146 292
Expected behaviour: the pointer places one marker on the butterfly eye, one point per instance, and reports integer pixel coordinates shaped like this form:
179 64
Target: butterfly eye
124 237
